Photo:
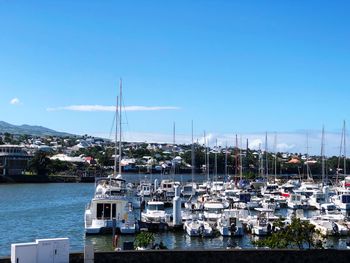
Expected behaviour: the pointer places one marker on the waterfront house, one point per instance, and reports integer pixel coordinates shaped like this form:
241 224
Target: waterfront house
13 160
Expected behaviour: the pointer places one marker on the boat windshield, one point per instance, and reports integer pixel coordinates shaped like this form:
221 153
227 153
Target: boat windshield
345 199
156 207
187 188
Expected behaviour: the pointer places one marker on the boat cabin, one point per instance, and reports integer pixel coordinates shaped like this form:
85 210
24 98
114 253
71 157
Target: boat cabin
155 206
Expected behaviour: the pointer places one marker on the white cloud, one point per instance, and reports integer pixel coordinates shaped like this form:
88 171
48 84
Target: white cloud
284 147
14 101
256 144
112 108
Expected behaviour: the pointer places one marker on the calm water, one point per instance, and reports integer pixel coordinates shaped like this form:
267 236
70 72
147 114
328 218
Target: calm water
33 211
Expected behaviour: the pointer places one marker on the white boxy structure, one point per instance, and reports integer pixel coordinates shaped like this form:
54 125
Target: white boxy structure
55 250
23 252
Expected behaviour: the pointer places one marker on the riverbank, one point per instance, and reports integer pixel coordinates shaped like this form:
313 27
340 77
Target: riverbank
214 256
62 178
46 179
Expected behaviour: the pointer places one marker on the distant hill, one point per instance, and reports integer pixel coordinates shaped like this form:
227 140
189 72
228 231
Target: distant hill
30 130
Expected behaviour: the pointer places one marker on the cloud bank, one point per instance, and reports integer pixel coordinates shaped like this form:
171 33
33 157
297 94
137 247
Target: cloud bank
293 142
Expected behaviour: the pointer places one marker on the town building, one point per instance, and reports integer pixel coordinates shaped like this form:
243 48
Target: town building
13 160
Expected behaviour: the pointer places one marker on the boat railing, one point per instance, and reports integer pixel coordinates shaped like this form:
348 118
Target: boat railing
110 197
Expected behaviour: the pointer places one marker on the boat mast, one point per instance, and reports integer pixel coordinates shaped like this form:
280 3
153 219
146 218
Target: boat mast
240 159
192 155
116 138
120 129
261 165
207 153
236 157
226 175
323 157
266 159
344 148
275 151
216 160
340 153
174 155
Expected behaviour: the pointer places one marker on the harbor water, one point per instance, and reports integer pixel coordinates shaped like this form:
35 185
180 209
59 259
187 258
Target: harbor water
33 211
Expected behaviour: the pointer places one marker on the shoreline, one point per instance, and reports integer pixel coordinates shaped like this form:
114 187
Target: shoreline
20 179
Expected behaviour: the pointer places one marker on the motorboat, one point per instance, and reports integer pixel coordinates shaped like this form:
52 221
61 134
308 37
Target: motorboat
217 187
188 190
296 201
145 189
262 224
154 212
167 189
110 207
198 228
342 198
213 210
229 224
319 197
329 227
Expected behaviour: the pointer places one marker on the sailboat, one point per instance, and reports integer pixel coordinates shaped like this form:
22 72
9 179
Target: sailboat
111 207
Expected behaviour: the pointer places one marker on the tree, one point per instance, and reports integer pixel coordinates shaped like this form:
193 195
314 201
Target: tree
57 166
8 137
143 240
39 164
297 234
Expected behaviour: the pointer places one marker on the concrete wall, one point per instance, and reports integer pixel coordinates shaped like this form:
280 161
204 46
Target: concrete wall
217 256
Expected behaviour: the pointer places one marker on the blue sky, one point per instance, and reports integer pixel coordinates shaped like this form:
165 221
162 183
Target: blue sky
241 67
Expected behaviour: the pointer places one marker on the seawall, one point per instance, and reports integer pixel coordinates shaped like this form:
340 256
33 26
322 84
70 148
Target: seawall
216 256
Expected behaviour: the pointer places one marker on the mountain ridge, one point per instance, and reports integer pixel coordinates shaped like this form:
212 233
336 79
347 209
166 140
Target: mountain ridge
35 130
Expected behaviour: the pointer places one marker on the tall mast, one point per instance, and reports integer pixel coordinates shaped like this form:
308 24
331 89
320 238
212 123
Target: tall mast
275 151
266 159
240 159
261 162
192 155
208 156
120 129
226 175
216 160
308 174
344 148
116 138
174 161
340 153
323 157
205 154
236 157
